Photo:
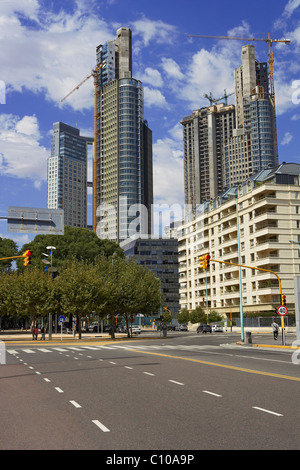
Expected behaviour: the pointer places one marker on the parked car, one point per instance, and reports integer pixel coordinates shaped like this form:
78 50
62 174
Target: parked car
204 328
136 329
217 328
121 329
93 326
181 328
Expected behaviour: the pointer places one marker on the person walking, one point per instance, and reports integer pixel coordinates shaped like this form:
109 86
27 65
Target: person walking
43 333
275 328
36 332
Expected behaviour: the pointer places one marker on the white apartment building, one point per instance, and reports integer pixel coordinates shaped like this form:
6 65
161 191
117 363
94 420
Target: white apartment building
253 225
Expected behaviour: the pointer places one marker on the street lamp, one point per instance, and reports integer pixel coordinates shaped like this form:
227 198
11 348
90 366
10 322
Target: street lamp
297 243
51 248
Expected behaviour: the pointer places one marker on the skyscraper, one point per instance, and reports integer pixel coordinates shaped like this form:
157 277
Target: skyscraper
123 146
67 174
253 146
226 144
205 135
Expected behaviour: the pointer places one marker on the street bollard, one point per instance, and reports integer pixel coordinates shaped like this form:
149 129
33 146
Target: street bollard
249 336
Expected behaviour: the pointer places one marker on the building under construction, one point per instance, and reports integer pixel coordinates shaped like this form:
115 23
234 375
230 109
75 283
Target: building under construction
225 144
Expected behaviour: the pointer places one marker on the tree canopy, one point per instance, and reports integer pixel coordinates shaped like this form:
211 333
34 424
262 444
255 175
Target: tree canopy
75 244
7 248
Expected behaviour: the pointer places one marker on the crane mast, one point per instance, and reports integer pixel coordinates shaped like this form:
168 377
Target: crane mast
94 73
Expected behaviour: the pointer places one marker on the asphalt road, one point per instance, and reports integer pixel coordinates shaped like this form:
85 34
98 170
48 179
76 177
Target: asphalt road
183 393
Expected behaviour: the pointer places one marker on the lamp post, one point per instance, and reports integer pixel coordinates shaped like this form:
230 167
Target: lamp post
297 243
51 248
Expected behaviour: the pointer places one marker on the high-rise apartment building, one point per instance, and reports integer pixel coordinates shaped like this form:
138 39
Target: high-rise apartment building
67 174
123 146
253 145
205 135
226 144
255 224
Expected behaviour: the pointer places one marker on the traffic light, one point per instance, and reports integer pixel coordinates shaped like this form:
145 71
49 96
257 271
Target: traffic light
204 261
27 258
207 257
283 300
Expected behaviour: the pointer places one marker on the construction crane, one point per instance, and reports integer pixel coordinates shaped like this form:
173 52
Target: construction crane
215 101
94 73
270 42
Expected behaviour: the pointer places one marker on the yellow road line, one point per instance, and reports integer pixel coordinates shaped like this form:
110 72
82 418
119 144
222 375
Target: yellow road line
241 369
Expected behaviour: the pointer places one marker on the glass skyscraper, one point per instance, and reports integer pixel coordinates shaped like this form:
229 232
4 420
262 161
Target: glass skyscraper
123 150
67 174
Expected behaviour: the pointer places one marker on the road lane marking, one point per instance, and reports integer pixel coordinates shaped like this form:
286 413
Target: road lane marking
47 380
266 411
148 373
127 367
211 393
59 390
29 351
174 382
74 403
111 362
100 425
224 366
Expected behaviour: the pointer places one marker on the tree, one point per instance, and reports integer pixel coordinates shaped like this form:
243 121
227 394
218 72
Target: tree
197 315
81 290
76 244
183 316
8 248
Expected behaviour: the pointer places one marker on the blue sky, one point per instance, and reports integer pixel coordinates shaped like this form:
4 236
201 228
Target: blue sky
48 47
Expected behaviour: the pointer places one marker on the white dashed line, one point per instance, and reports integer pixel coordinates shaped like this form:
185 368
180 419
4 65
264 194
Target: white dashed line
174 382
59 390
74 403
211 393
267 411
148 373
100 425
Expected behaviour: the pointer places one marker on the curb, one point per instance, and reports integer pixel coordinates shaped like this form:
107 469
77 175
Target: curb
268 346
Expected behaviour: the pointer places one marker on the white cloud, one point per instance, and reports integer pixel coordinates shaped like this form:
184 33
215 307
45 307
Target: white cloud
168 169
152 77
21 155
154 98
158 31
287 138
172 69
53 58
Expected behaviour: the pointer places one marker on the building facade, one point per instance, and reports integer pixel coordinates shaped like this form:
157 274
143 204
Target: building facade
67 174
253 145
160 255
123 181
253 225
205 134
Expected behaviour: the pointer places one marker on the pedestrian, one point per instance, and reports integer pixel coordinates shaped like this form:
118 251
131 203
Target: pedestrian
36 332
42 333
32 330
275 328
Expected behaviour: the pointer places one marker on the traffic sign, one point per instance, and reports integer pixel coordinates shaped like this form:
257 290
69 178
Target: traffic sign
282 310
61 319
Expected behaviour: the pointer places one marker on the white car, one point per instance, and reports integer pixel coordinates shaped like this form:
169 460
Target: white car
135 329
217 328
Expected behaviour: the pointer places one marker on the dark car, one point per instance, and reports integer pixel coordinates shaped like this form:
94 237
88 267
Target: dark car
204 329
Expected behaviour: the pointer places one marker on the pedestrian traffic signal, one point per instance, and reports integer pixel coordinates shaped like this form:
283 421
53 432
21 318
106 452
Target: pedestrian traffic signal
27 258
283 300
204 261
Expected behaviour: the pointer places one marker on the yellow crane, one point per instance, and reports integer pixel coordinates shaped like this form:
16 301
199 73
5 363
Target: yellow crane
94 73
270 42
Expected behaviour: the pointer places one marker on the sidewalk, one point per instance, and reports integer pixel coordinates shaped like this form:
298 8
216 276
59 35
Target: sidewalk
263 340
